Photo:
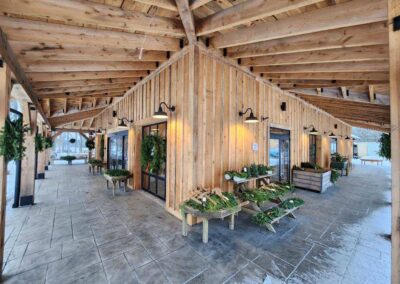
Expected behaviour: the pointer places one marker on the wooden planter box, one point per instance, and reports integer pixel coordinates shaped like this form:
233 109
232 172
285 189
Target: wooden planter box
313 180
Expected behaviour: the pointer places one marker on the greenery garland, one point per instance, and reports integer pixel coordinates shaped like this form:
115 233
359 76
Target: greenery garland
39 143
12 137
384 146
153 153
90 144
48 142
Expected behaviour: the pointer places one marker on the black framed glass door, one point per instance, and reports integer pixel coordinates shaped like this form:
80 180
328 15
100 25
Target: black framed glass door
279 154
118 150
155 183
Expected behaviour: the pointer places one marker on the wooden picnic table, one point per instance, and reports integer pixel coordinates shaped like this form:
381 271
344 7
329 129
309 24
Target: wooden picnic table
119 179
372 160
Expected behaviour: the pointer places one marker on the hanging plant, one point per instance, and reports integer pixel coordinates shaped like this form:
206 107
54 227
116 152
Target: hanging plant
153 153
90 144
72 140
48 142
12 137
384 146
39 143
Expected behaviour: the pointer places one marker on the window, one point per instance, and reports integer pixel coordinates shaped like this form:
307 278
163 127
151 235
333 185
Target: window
312 158
333 146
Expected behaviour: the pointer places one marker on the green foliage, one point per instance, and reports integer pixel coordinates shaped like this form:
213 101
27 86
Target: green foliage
253 170
335 174
337 158
48 142
90 144
68 158
117 173
95 162
12 137
102 147
262 169
291 203
39 143
260 219
216 204
268 193
267 216
384 146
153 153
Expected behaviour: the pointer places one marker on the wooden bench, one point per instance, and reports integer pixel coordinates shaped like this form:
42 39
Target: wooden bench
118 179
377 161
95 168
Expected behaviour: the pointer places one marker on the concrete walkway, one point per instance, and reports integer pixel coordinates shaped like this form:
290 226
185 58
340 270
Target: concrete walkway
78 233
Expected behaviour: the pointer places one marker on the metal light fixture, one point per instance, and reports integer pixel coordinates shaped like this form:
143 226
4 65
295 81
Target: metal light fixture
122 123
312 129
100 130
160 113
251 118
347 137
331 134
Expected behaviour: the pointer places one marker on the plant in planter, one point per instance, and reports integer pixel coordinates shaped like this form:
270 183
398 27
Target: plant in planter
153 153
117 173
12 137
291 203
95 162
212 202
69 159
253 170
262 169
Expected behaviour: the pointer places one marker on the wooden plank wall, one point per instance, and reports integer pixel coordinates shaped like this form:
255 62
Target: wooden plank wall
205 135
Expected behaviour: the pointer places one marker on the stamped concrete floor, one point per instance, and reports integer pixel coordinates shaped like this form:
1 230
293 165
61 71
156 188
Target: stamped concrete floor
78 233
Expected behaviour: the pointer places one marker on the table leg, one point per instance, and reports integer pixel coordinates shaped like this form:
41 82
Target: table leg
125 185
232 222
205 231
107 184
114 185
184 224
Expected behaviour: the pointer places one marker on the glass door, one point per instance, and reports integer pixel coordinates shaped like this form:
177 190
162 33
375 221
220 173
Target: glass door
279 154
155 183
118 150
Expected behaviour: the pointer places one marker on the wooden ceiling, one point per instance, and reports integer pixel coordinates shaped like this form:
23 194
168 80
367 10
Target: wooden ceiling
78 55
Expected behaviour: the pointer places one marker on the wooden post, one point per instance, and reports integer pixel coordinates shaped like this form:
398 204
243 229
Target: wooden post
5 85
41 161
28 162
394 56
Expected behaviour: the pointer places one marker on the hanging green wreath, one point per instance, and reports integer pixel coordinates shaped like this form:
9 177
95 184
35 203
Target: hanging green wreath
39 143
384 146
90 144
12 137
153 153
48 142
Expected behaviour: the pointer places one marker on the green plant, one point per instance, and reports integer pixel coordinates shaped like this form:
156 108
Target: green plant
267 216
384 146
48 142
95 162
336 157
260 219
68 158
117 173
291 203
90 144
153 153
253 170
262 169
335 174
39 143
12 137
213 203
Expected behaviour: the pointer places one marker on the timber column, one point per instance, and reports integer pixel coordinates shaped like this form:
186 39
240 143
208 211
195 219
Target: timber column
394 56
29 161
5 88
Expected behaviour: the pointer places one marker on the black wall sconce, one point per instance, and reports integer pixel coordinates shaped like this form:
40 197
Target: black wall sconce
312 130
283 106
100 130
251 118
114 113
335 126
160 113
331 134
121 122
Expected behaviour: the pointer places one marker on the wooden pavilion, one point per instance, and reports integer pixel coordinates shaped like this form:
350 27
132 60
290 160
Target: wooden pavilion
88 65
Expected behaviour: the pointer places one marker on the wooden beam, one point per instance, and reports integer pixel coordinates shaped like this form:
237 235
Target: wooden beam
30 51
187 20
362 66
63 119
68 76
81 83
165 4
369 125
362 53
9 57
363 35
5 89
82 66
305 83
394 47
247 12
351 13
85 13
31 31
331 76
198 3
88 94
105 88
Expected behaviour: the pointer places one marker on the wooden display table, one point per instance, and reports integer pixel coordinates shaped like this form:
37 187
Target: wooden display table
372 160
205 216
95 168
260 180
119 179
288 213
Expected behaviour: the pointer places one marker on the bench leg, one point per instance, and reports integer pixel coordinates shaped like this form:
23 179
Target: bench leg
125 185
184 224
107 184
114 185
205 231
270 227
232 222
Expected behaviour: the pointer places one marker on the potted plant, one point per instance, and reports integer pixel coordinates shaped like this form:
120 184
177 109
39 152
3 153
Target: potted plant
338 162
68 158
311 176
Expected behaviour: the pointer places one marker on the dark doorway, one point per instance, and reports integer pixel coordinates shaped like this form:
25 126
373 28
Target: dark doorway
155 183
117 150
279 154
